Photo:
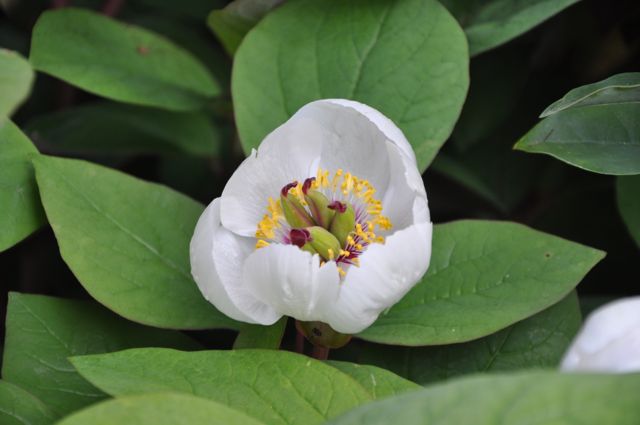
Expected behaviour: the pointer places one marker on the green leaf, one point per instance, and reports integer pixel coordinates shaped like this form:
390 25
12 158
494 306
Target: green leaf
379 382
110 128
517 399
18 407
119 61
276 387
407 59
593 127
159 409
16 78
257 336
620 88
483 277
42 332
127 242
21 212
490 23
233 22
628 191
539 341
600 138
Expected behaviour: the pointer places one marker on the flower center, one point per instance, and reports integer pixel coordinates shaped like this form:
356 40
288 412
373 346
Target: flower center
336 217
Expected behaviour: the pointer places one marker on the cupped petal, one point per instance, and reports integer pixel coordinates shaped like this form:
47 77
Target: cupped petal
609 341
292 281
350 141
384 124
405 200
291 152
386 273
217 256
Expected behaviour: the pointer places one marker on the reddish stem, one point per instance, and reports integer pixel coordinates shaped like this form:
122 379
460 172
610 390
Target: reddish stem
320 353
57 4
299 342
112 7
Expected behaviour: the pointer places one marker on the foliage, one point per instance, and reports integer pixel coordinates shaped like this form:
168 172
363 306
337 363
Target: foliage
120 120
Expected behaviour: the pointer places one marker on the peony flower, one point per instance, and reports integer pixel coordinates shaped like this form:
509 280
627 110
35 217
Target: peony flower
609 341
326 222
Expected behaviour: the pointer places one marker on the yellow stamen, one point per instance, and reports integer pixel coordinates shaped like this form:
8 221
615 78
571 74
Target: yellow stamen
261 244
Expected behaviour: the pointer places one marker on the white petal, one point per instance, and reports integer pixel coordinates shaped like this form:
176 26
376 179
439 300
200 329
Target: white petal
393 133
291 152
217 256
405 201
386 273
609 340
291 281
350 141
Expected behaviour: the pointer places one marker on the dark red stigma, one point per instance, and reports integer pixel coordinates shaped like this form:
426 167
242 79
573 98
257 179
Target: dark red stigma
337 206
299 237
307 184
285 190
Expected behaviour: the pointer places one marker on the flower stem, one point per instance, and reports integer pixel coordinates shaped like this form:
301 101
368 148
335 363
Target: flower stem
320 352
299 342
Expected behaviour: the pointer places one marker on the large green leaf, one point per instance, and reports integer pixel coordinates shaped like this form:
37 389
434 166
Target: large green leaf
620 88
526 398
276 387
127 242
408 59
628 191
21 212
258 336
379 382
539 341
16 77
118 61
490 23
235 20
18 407
483 277
111 128
159 409
593 127
42 332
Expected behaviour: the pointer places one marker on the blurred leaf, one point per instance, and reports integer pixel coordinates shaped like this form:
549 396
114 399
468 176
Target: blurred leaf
258 336
18 407
620 88
276 387
490 23
159 409
408 59
600 138
21 212
193 9
16 78
119 61
233 22
497 81
42 332
116 128
523 398
539 341
196 40
127 242
483 277
467 177
379 382
628 191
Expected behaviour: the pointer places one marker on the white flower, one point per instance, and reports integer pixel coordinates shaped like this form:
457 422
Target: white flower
609 340
275 242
